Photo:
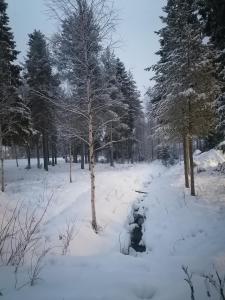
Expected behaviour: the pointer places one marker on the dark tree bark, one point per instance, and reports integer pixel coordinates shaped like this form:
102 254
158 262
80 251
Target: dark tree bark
70 158
82 155
86 155
75 153
186 161
38 154
2 162
48 152
191 166
45 152
111 148
53 152
16 156
28 157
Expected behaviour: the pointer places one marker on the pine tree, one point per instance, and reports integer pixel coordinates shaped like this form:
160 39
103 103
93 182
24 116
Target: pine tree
213 13
116 107
14 115
42 84
132 101
184 78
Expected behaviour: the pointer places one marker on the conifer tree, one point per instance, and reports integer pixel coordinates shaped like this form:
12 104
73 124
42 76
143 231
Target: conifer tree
132 101
213 13
41 82
117 109
184 79
14 115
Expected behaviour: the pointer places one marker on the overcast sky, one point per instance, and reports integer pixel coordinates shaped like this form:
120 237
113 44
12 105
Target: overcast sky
139 20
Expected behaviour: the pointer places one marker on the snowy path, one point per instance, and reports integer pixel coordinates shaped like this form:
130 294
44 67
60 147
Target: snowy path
179 230
182 230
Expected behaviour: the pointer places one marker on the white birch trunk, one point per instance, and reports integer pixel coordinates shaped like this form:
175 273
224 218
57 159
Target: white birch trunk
92 159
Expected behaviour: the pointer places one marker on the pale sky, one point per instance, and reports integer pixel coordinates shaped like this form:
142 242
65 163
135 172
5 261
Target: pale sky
139 20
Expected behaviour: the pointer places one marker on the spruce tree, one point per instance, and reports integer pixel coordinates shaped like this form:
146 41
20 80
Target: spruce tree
14 115
42 85
132 102
213 14
184 79
116 107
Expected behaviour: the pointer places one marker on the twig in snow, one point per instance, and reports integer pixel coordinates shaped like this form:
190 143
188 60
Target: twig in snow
217 283
67 237
188 279
141 192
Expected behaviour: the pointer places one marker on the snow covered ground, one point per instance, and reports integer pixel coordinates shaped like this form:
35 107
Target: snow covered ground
179 230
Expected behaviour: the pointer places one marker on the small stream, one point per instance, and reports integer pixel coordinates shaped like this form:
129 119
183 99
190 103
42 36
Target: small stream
133 237
137 228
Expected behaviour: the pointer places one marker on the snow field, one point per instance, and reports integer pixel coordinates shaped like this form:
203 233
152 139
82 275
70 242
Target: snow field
179 230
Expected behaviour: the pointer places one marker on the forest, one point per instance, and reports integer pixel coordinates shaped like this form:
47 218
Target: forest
97 177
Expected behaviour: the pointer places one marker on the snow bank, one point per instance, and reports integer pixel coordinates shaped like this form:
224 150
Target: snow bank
179 230
209 159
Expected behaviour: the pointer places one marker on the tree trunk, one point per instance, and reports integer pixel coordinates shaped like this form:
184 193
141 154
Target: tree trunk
45 152
123 150
2 162
186 161
74 153
38 154
92 175
86 157
53 155
82 155
48 152
16 156
111 148
70 154
191 166
91 157
131 153
28 157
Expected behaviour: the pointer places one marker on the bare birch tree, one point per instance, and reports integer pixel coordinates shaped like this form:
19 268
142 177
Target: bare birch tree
85 26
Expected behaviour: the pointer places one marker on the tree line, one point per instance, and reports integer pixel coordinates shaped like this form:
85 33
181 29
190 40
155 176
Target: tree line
74 97
71 96
186 104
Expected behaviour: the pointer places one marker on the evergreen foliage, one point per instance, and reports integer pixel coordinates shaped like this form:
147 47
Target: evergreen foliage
42 85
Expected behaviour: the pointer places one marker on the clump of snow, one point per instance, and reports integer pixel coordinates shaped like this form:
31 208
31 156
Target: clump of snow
197 152
209 159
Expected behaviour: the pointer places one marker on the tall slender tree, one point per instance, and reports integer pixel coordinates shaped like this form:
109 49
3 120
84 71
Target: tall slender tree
12 109
184 79
132 101
41 80
78 47
213 12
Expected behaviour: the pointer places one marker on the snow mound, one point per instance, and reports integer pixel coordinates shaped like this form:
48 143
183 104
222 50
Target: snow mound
210 159
197 152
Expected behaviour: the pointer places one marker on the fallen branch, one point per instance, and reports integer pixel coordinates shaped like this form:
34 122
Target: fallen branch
188 279
141 192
